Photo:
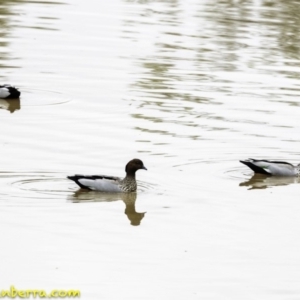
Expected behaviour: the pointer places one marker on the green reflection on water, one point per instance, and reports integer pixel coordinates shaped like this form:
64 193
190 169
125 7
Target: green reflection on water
13 14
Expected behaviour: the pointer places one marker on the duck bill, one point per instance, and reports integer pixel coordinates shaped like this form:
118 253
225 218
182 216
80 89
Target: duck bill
144 168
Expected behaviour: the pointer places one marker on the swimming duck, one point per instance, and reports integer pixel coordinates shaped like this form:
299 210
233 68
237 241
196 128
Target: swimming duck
8 91
275 168
112 184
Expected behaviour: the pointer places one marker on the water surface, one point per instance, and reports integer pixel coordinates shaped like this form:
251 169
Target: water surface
190 88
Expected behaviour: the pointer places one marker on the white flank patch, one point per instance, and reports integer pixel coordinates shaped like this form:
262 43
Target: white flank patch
277 169
4 92
103 185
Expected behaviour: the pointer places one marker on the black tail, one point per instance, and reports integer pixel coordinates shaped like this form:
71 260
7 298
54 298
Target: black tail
254 168
76 178
13 92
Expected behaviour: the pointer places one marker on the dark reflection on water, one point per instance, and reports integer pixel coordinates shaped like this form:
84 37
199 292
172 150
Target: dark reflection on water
260 181
188 64
129 199
267 31
156 85
6 10
41 22
288 22
11 104
13 18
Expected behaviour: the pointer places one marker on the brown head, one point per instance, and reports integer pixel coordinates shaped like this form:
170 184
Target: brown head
133 166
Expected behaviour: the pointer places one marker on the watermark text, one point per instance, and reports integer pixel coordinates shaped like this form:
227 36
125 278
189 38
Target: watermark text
28 293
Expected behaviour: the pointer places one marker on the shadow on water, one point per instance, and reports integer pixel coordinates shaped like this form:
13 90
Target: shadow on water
11 105
260 181
129 199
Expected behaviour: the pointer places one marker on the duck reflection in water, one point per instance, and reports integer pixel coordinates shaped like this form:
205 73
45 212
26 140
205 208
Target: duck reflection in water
129 199
10 104
261 181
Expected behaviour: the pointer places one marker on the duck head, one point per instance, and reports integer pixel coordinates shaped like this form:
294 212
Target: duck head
133 166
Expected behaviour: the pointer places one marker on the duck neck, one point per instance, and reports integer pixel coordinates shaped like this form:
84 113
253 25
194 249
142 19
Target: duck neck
130 175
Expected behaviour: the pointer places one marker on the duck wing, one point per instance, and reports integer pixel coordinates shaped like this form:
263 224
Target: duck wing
102 183
268 167
255 167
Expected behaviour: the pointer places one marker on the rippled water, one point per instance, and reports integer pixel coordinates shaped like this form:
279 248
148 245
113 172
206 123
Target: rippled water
190 87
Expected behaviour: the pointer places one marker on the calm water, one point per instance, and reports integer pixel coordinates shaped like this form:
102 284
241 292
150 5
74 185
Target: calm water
190 87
